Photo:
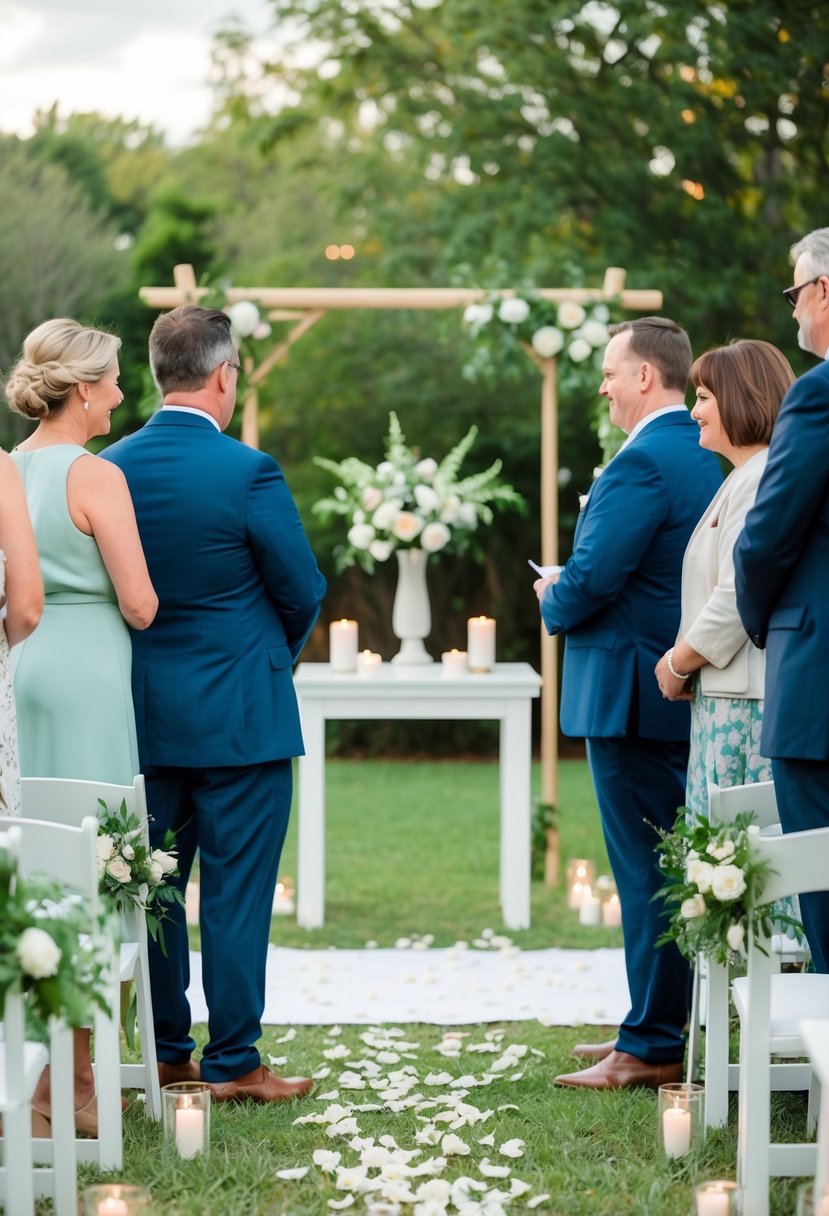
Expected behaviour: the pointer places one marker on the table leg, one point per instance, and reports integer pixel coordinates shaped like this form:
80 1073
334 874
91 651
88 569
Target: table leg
516 819
311 825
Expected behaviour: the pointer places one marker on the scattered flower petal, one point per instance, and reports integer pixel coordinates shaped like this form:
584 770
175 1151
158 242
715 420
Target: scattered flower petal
298 1172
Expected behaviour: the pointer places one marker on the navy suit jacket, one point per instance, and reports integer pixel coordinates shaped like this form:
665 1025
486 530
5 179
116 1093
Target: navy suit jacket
618 597
239 591
781 566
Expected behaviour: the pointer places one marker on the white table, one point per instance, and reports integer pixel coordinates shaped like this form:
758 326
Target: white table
504 694
815 1035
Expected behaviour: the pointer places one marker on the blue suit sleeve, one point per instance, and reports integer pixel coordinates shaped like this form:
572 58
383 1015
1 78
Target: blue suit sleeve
791 491
288 567
627 507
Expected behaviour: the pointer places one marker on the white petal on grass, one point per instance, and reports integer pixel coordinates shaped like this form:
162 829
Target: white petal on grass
487 1141
438 1078
299 1172
493 1171
328 1097
339 1205
346 1127
453 1146
537 1200
340 1052
508 1106
326 1159
277 1061
517 1187
428 1135
288 1037
512 1148
321 1073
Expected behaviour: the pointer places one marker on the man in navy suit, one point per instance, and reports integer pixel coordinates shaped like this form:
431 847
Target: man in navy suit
618 602
781 565
239 591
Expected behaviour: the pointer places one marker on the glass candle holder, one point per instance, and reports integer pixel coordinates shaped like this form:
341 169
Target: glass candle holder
580 874
114 1199
811 1202
718 1199
680 1122
185 1117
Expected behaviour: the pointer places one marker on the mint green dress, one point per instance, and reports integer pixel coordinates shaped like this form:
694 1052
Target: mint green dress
72 674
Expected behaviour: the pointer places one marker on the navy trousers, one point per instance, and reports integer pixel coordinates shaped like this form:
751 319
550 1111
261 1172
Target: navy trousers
640 783
802 791
237 819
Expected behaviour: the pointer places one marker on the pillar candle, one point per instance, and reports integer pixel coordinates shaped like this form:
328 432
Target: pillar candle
481 643
369 663
590 908
676 1131
342 636
112 1207
454 662
712 1202
189 1132
612 912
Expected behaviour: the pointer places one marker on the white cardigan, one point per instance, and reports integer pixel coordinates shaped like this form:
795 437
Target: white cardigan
710 621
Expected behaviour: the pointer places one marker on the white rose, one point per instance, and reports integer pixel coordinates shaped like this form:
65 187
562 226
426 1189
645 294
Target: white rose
451 506
728 883
547 341
595 333
701 873
722 851
380 550
735 936
118 869
167 862
385 515
263 330
244 317
579 350
426 468
570 315
513 312
156 873
361 536
105 847
407 525
476 316
38 953
600 312
434 537
371 497
426 499
128 851
693 907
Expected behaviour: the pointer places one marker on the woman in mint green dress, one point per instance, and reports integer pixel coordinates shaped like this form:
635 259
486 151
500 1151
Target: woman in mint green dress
72 676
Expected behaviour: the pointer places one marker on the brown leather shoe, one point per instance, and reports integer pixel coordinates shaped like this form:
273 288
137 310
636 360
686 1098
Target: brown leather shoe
622 1071
174 1074
593 1051
261 1085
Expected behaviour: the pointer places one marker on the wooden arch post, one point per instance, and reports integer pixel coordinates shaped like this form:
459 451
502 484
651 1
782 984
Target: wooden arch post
307 305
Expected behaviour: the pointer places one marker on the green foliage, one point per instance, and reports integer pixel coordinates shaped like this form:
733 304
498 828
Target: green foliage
715 887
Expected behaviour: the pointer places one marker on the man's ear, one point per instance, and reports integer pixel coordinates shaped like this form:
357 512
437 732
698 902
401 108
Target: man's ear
646 374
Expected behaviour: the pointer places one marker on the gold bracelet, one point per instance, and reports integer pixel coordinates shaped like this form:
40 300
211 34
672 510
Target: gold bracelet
669 658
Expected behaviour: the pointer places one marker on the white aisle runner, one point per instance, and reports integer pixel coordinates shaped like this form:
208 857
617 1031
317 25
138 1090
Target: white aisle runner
445 987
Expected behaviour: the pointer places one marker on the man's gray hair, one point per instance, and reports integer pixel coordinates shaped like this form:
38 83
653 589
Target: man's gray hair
814 246
186 345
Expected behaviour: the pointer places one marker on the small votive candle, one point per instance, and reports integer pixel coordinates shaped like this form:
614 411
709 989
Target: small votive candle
368 663
342 639
612 912
680 1116
185 1111
590 908
480 643
284 903
580 873
454 662
191 903
114 1199
718 1199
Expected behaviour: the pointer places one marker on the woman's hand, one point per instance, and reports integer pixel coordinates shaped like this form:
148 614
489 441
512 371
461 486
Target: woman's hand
672 688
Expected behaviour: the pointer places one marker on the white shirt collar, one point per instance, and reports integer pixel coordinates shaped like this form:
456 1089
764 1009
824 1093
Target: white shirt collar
189 409
643 422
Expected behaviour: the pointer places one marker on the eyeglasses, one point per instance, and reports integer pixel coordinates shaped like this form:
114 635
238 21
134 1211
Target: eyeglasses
236 366
792 293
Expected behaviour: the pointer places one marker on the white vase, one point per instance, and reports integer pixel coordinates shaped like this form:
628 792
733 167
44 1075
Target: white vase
411 616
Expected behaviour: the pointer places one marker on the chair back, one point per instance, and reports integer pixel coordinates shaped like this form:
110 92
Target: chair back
725 803
64 800
67 854
799 862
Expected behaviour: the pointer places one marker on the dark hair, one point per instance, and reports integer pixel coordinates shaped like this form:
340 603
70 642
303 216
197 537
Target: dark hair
186 345
661 342
749 379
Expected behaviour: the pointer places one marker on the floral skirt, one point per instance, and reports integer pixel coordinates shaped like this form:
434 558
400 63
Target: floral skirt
725 750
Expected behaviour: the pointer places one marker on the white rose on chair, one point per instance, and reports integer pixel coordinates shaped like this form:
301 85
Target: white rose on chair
161 863
118 869
38 953
693 907
728 883
735 936
700 873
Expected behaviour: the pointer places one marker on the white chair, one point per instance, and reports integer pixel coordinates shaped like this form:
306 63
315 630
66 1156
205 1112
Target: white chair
815 1035
21 1064
771 1007
68 801
69 855
710 1003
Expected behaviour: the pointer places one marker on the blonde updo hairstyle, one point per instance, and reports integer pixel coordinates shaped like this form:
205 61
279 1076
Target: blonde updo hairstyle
57 356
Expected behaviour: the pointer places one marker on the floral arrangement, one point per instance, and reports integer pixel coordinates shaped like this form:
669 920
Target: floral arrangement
714 888
409 501
49 948
133 874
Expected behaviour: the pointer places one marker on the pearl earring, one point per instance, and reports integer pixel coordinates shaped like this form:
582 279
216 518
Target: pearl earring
86 405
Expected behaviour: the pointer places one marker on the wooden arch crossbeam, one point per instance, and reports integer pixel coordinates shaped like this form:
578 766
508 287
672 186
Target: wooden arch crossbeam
306 305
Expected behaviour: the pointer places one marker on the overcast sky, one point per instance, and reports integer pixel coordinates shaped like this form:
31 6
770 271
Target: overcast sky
145 59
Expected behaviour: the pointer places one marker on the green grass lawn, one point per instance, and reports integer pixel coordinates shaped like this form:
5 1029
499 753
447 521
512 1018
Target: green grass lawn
412 847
